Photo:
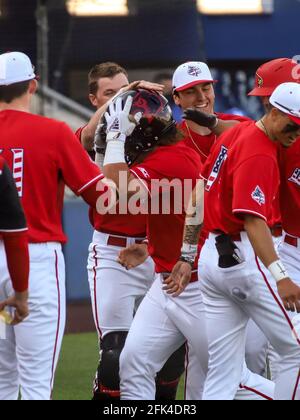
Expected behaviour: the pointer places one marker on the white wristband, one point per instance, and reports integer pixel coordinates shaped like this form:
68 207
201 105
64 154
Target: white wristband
189 251
278 271
115 153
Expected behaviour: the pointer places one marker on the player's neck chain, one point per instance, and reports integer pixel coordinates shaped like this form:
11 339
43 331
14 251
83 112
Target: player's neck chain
194 142
265 128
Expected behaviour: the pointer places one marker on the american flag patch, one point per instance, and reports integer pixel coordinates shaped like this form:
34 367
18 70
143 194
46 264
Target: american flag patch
295 178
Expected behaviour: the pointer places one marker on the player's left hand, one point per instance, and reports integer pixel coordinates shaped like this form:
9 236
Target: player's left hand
133 256
179 279
201 118
19 301
120 123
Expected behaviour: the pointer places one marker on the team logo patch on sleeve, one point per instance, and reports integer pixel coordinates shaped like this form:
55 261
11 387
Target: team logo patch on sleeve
259 196
295 178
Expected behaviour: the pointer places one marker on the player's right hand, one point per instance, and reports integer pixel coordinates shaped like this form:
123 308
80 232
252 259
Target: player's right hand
289 293
20 302
133 256
179 279
143 84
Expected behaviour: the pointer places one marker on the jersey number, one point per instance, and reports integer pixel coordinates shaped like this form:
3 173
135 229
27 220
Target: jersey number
18 168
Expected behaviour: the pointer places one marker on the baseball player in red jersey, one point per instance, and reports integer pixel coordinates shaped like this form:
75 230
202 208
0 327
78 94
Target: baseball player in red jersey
116 293
44 155
13 248
194 93
237 208
162 323
268 76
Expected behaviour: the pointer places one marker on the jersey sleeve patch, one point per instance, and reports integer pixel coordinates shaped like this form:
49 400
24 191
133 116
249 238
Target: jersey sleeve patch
259 196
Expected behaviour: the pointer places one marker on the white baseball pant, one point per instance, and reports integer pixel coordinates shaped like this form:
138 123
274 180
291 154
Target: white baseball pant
115 291
29 353
163 324
290 256
232 296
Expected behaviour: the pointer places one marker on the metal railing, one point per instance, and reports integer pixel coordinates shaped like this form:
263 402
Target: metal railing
57 100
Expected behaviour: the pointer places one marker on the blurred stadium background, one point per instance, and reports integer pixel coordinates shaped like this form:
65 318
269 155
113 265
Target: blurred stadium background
65 38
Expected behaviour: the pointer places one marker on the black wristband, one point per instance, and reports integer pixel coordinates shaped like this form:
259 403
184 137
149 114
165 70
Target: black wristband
187 261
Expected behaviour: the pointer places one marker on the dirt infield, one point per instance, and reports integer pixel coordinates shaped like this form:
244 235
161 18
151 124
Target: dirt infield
79 318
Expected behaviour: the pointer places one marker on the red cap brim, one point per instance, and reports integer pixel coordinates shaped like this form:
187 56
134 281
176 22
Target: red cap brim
295 119
195 83
261 92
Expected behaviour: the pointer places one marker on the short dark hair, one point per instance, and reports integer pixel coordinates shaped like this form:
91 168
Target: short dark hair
14 91
160 77
108 69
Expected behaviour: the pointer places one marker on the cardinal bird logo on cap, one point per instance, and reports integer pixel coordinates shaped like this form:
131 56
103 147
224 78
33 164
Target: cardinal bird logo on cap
194 71
260 81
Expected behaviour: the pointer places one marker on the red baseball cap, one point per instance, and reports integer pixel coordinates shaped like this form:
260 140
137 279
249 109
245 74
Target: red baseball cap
274 73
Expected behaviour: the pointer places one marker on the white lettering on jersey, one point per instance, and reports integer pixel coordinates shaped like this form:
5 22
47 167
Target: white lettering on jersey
259 196
144 172
18 168
217 168
295 178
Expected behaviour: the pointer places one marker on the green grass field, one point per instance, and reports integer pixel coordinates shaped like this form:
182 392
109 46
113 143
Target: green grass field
76 369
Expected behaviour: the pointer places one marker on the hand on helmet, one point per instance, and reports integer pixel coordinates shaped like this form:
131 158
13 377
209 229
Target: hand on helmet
120 123
201 118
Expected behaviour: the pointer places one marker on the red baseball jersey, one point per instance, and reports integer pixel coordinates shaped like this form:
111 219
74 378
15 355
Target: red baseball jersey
117 224
242 176
181 166
44 155
290 189
203 144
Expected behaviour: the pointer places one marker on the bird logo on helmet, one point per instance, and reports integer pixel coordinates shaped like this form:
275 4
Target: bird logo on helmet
156 122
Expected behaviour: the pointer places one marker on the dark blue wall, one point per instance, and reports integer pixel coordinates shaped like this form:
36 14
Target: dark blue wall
79 233
256 37
155 38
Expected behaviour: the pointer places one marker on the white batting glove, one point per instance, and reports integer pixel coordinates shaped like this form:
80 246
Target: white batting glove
119 122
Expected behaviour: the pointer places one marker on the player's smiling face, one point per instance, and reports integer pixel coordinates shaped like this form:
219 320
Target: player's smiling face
107 88
201 97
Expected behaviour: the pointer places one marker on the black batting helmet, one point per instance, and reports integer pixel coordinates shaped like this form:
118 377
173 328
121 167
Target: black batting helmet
156 121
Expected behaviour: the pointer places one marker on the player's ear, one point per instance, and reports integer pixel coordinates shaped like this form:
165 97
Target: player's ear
33 86
93 100
176 98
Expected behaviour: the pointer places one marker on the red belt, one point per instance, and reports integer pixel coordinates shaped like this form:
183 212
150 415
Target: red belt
121 242
276 231
291 241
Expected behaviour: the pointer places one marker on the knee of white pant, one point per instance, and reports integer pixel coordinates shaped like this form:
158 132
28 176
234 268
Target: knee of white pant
132 363
31 392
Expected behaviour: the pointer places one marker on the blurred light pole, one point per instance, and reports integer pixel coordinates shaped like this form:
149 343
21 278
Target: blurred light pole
42 48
